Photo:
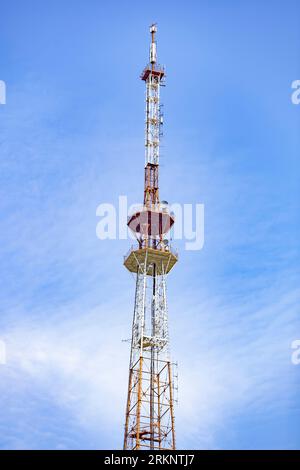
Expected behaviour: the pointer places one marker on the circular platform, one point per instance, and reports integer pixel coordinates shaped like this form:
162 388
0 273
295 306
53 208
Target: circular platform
151 222
163 260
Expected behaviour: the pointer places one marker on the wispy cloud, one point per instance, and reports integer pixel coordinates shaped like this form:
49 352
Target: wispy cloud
66 300
233 360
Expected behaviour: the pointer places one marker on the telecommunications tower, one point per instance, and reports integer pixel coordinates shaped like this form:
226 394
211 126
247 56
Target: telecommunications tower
149 421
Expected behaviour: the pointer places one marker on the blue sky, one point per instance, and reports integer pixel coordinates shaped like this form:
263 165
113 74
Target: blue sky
71 137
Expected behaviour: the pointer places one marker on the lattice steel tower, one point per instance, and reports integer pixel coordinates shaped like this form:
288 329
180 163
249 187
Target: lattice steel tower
149 422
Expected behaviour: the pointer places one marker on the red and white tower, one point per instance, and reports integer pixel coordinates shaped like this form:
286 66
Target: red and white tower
149 422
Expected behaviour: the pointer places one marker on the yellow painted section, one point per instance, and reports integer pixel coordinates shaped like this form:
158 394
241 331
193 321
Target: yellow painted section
164 260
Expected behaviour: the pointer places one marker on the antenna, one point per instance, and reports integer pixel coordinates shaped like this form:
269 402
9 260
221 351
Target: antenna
149 421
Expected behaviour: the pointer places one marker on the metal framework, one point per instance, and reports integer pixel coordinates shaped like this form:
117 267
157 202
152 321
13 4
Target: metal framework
149 421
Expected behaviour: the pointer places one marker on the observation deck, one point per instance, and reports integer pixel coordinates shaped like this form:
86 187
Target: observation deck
163 259
151 221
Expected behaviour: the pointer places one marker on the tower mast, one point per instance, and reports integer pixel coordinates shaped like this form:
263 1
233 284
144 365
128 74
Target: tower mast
149 421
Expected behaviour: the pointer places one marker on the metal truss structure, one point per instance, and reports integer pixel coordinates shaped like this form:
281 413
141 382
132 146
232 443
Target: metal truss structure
149 422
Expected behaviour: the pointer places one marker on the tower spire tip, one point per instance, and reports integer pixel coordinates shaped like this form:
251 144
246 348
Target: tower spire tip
153 28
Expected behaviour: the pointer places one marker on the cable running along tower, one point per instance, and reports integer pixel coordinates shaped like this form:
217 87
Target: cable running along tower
149 421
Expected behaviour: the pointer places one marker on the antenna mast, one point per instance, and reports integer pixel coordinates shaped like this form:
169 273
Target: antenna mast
149 422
